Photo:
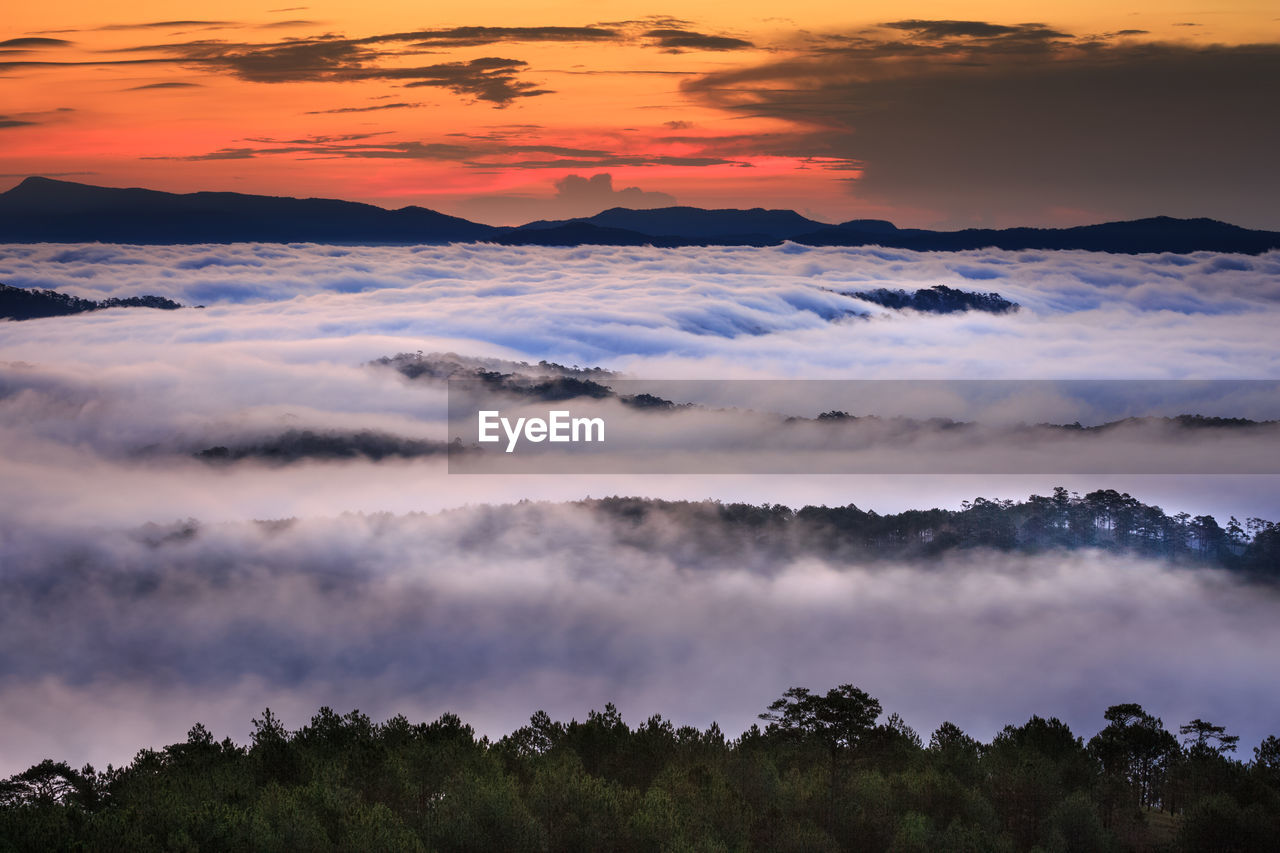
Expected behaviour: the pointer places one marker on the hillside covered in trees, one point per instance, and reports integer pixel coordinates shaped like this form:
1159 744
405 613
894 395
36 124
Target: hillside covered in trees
825 772
20 303
938 299
712 532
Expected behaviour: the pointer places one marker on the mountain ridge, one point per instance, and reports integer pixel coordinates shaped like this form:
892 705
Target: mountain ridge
48 210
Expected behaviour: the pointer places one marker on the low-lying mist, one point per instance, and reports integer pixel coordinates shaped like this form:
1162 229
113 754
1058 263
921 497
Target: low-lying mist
114 633
112 638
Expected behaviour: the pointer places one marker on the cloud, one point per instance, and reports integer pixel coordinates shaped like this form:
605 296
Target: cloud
331 58
490 79
1035 120
32 41
712 313
487 79
680 39
335 58
575 196
34 63
318 139
400 105
1136 310
598 191
276 25
480 151
167 85
44 174
314 59
300 319
164 25
29 119
479 36
944 30
223 154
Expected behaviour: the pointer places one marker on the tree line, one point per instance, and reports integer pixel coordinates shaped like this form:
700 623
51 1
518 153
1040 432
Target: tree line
1103 519
821 772
20 303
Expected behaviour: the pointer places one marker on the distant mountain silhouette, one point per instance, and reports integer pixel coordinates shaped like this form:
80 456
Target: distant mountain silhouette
691 226
1156 234
581 233
694 223
41 209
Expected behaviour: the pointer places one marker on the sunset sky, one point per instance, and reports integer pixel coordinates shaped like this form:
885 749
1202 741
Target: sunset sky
933 113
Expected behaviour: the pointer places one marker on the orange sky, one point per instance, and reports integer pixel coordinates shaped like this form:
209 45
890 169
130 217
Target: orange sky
392 103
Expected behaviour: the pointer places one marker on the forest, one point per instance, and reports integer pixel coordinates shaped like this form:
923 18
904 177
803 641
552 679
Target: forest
1104 519
820 772
20 303
938 299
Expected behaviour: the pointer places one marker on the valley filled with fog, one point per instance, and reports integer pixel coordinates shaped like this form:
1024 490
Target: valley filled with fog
148 582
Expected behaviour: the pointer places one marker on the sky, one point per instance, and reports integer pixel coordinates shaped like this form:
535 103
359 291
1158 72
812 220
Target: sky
935 114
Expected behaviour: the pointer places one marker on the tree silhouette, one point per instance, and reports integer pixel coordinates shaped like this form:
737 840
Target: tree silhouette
841 719
1202 736
1136 748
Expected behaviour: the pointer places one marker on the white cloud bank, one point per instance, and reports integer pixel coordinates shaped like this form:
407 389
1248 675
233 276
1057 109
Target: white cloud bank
711 312
110 643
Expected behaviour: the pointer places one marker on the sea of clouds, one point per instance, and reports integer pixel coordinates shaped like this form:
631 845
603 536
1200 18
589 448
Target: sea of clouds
712 312
100 414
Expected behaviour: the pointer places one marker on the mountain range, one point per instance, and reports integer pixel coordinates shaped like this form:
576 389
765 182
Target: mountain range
47 210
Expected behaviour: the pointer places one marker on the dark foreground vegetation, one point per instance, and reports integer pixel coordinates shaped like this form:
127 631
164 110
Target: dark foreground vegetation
20 303
826 772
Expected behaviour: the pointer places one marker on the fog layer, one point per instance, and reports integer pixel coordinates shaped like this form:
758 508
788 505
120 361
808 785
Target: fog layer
116 638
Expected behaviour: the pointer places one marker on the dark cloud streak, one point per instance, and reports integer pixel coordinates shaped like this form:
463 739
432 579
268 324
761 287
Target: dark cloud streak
492 79
160 25
275 25
967 118
375 108
679 39
940 30
497 151
167 85
336 58
35 42
480 36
